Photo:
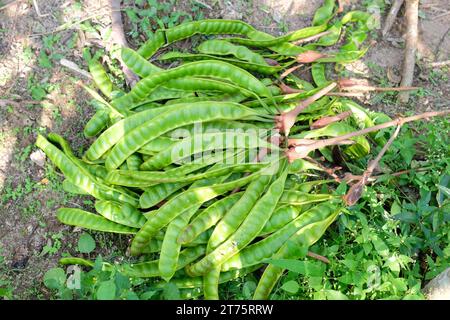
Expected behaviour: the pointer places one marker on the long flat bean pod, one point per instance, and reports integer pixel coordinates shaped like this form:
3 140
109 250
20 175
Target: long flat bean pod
150 269
205 68
280 218
157 193
84 219
170 120
265 248
187 199
96 124
298 198
205 142
223 47
211 284
237 214
293 36
113 134
305 237
197 282
170 248
81 178
136 63
251 66
100 77
208 218
124 214
148 178
249 229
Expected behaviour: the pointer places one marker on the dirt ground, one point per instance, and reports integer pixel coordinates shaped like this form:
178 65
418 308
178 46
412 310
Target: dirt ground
38 95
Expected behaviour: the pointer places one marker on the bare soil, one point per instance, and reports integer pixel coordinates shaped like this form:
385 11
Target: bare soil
30 194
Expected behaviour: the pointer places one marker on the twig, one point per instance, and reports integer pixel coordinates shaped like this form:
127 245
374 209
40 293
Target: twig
207 6
318 257
441 15
412 19
68 25
38 12
118 37
395 7
5 102
73 66
351 84
348 177
441 41
440 63
355 191
312 38
329 171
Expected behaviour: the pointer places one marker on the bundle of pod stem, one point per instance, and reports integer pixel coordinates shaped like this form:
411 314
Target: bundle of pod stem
213 166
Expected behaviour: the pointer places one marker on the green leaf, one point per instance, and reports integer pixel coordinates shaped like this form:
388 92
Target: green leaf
86 243
132 296
122 282
307 268
44 60
55 278
248 289
66 294
392 264
335 295
106 290
171 292
38 93
148 295
291 287
380 246
399 284
395 208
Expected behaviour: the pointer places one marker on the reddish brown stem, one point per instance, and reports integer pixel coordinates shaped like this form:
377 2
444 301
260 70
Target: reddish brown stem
312 38
351 177
289 71
380 89
340 6
329 171
286 120
318 257
355 191
322 122
352 84
285 89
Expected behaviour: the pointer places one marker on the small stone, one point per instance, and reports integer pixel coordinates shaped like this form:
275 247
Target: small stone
439 287
38 157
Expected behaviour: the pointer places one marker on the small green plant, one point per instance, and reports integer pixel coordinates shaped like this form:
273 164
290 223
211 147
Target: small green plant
6 290
86 244
53 244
